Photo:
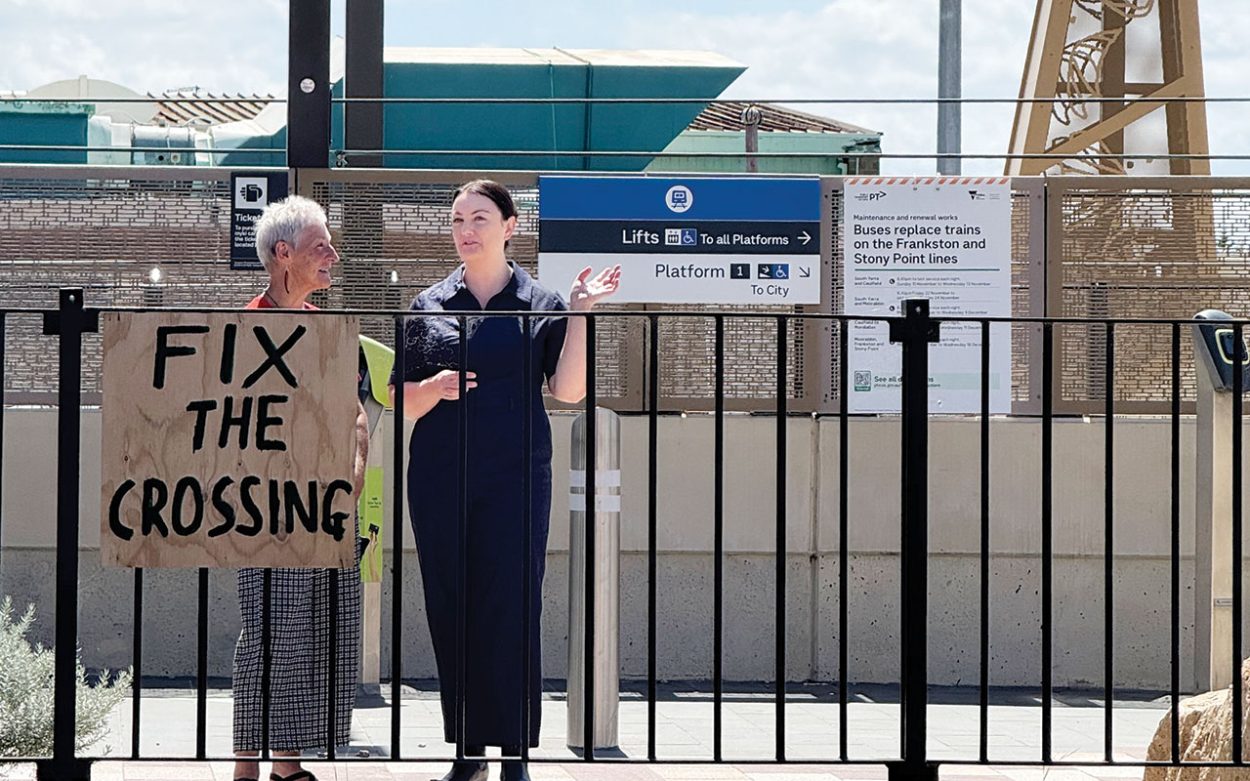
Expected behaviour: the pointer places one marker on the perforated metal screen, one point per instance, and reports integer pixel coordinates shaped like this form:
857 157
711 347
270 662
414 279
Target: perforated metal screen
1118 248
105 229
1144 248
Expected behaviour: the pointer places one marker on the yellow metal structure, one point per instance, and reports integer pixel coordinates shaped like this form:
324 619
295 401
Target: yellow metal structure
1126 55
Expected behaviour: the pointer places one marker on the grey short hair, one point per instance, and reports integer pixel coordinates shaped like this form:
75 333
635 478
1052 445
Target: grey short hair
282 221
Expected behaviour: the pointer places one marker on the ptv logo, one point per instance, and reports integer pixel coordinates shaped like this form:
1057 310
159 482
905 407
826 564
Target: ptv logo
679 199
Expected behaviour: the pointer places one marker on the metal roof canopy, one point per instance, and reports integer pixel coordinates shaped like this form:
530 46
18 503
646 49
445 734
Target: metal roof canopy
538 127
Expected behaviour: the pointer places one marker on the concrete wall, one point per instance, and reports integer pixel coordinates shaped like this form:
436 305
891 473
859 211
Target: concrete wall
1141 573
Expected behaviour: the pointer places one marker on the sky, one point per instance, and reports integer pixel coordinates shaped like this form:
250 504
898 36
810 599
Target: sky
798 49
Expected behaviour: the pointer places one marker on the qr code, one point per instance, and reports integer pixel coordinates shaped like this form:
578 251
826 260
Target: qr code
863 380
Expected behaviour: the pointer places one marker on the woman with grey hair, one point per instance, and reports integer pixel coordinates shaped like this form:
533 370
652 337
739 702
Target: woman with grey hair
294 246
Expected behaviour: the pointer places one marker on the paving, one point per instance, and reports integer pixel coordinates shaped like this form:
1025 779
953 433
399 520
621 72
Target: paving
684 734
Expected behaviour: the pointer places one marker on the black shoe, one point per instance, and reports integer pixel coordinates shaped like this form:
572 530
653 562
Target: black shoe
515 771
466 770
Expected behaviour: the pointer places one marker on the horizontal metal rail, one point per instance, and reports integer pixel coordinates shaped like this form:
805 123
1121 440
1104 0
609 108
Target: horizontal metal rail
138 99
640 313
639 153
656 100
184 149
797 155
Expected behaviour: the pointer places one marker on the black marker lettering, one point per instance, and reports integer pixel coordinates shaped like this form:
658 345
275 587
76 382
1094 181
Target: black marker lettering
120 530
264 420
295 506
274 356
249 506
223 508
165 351
229 420
227 353
201 409
275 509
332 522
155 494
187 485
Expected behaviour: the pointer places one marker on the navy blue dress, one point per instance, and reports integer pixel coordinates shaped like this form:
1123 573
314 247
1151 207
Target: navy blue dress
495 687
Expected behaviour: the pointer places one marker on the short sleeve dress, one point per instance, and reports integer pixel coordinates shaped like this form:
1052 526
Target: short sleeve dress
496 619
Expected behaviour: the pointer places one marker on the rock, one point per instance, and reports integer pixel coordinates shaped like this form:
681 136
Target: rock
1206 735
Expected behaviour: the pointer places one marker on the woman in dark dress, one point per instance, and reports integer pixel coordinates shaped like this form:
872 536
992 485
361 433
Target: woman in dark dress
494 690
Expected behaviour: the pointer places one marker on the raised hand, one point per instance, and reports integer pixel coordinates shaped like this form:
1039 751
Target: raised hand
587 291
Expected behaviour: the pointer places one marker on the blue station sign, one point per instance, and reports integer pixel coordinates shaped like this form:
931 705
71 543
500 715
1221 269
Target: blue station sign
685 240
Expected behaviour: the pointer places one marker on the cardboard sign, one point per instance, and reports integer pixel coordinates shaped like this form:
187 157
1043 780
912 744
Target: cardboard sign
229 440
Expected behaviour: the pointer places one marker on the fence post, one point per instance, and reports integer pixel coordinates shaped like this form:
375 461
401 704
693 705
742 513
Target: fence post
915 331
69 322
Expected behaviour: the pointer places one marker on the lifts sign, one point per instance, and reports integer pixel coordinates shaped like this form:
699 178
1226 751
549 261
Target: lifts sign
685 241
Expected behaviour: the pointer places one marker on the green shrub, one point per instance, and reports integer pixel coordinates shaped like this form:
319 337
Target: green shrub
26 692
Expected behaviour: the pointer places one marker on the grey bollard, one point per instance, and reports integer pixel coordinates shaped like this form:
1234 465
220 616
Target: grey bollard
607 586
1213 494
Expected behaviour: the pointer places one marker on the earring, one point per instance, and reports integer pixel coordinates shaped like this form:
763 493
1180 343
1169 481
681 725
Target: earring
286 281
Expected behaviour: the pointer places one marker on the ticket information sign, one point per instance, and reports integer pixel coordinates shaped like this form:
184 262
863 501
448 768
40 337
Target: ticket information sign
947 240
228 440
685 241
250 193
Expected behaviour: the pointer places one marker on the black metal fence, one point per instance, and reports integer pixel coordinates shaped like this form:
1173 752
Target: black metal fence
914 331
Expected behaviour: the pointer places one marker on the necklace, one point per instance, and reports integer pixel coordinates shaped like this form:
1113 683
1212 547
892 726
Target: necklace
272 301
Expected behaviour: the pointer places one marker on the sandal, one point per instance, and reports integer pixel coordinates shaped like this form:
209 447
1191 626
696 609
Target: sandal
299 775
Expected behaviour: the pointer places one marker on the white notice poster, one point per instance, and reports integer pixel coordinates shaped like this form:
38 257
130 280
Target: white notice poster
944 239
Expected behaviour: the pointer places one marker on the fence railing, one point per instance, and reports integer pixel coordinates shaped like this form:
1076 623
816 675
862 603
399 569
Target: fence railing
914 332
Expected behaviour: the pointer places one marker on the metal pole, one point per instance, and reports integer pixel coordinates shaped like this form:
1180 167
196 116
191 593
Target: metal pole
751 117
397 543
606 518
2 387
362 122
308 85
950 78
69 322
915 330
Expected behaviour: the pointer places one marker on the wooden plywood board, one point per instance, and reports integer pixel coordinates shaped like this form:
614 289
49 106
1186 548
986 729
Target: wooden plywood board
228 440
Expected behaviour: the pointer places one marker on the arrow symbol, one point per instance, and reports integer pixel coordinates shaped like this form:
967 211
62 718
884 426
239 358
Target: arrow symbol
804 272
806 237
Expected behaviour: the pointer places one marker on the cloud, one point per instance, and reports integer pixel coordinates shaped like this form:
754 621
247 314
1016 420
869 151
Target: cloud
846 49
888 48
229 45
830 49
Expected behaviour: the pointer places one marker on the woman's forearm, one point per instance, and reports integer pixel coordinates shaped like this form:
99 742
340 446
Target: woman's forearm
362 448
568 384
419 398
